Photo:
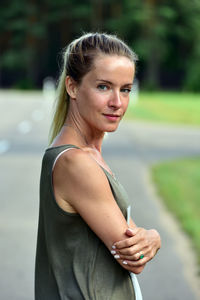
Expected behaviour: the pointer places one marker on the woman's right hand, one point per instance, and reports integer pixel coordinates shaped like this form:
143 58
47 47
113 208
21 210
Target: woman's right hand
141 243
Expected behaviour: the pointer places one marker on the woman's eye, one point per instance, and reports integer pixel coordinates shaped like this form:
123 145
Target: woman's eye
126 90
102 87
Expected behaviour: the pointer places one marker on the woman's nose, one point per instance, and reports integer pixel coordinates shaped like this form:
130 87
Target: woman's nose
115 100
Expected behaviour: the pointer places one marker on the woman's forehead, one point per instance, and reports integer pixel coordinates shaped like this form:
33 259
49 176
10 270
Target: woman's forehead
111 67
115 60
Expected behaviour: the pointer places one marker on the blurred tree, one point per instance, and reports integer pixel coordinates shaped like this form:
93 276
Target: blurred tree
182 62
20 40
189 33
164 33
97 14
144 24
32 33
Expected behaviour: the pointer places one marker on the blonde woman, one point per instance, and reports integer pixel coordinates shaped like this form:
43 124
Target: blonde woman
84 248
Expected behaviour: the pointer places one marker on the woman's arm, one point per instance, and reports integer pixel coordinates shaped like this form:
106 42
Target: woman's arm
79 181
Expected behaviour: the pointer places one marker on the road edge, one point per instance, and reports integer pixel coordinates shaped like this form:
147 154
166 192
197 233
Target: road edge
182 242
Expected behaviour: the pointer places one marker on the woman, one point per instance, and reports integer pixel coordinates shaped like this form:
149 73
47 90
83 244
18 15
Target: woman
85 249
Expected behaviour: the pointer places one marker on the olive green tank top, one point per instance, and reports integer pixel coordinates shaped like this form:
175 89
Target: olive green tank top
72 263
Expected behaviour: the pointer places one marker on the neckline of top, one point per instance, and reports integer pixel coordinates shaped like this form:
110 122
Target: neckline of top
54 147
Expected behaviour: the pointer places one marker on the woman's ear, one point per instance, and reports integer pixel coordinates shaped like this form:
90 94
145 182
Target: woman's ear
71 87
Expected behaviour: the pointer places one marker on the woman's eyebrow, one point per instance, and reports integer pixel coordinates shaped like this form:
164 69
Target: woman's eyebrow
109 82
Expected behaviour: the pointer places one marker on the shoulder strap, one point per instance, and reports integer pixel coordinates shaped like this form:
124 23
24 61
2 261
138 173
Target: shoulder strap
52 154
60 153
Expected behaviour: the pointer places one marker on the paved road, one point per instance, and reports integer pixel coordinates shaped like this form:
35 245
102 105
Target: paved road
130 151
23 135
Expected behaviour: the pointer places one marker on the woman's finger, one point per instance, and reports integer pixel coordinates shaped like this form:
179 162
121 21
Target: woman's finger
138 263
128 251
135 255
131 241
137 234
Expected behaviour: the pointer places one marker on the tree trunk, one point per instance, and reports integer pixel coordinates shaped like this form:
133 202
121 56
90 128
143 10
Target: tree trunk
97 15
31 46
152 39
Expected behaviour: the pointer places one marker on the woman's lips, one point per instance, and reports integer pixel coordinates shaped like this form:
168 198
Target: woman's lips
112 117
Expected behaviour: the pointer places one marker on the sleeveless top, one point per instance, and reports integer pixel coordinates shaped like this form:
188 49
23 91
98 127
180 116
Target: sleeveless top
72 263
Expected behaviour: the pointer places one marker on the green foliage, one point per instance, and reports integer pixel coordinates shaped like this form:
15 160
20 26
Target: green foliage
193 75
178 184
12 59
24 84
165 34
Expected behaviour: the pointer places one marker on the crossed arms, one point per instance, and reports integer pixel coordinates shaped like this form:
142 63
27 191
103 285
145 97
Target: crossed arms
94 201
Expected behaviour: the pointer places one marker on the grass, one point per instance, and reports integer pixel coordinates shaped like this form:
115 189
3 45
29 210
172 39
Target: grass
167 107
178 183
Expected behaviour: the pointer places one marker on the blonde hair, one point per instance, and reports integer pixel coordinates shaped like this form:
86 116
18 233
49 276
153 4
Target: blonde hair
78 60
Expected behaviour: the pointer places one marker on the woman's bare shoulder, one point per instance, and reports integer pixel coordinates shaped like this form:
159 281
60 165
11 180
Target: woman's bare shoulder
78 176
77 162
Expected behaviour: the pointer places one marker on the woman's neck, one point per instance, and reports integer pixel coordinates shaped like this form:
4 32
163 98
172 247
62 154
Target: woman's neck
90 139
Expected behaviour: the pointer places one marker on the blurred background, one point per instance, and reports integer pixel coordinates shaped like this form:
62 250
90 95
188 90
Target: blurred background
164 33
156 148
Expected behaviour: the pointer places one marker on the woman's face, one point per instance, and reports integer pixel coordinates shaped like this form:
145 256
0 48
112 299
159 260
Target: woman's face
103 95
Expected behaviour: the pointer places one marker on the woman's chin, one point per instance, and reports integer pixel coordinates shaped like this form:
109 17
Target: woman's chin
112 128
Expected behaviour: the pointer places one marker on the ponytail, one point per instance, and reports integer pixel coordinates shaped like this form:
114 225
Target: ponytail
60 107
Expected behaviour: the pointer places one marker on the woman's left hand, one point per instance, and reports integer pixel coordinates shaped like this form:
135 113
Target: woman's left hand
141 246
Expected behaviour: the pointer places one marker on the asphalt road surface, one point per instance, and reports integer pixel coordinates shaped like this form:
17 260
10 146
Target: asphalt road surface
25 119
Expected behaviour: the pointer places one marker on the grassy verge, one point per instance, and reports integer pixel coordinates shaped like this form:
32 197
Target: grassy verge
168 107
178 184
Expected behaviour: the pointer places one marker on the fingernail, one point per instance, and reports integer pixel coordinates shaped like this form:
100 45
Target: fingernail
113 251
125 262
116 256
114 247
